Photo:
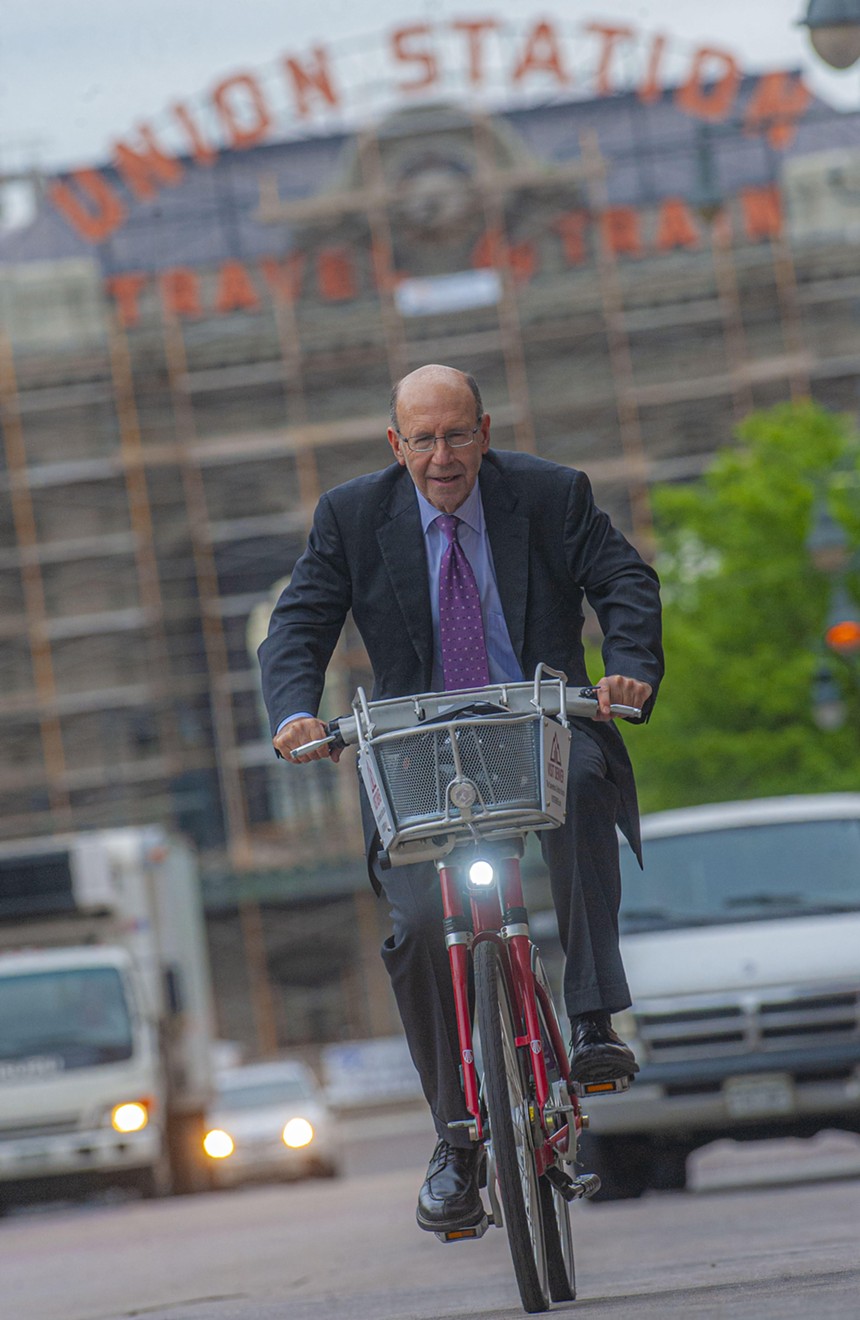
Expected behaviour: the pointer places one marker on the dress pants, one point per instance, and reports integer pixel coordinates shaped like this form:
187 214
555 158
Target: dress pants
582 859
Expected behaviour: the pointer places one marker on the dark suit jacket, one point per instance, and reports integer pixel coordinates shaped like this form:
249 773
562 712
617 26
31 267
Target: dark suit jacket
551 545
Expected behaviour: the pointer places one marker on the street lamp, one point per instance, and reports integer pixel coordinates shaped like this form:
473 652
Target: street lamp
834 31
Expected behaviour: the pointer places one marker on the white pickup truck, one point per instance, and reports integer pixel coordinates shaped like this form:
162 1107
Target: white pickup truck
741 941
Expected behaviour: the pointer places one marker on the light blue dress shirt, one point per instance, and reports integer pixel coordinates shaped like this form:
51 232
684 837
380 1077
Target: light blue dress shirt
472 535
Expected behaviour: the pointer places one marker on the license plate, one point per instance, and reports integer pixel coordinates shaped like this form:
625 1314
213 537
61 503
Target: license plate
766 1093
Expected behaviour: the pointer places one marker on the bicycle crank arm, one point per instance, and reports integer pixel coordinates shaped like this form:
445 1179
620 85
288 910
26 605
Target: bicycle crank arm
573 1189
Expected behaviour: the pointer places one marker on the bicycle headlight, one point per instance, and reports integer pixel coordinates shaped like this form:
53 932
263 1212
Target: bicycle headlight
481 873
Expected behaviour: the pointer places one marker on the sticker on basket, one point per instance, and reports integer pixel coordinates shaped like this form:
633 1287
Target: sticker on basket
555 747
378 803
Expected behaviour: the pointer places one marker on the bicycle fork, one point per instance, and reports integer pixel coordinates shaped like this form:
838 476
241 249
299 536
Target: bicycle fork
498 913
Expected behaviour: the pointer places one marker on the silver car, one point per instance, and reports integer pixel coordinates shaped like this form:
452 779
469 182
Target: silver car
270 1121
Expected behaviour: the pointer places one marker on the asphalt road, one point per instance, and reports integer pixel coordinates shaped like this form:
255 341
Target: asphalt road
770 1233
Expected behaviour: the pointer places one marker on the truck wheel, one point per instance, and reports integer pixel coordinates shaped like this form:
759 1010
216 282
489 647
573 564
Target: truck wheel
622 1163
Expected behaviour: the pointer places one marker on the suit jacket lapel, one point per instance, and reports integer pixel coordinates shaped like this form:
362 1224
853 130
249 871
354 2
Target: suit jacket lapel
508 533
401 544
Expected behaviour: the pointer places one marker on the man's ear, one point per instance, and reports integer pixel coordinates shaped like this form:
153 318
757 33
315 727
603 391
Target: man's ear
485 433
397 446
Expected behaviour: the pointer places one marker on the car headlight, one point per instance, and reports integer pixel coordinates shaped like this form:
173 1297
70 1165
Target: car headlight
130 1116
297 1133
218 1144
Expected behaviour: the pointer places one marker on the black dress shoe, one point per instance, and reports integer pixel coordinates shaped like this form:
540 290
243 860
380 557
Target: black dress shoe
597 1053
449 1196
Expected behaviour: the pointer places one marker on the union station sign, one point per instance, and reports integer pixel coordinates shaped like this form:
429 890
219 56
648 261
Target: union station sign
420 61
462 60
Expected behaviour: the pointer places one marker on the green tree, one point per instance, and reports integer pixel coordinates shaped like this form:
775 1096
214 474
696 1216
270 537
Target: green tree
745 614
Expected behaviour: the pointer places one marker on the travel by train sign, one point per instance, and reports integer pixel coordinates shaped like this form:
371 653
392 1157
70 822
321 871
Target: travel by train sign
481 59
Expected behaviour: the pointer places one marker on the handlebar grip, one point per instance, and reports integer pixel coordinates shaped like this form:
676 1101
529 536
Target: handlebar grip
333 740
629 712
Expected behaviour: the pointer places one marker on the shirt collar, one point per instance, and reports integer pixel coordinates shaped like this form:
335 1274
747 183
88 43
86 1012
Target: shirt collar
471 511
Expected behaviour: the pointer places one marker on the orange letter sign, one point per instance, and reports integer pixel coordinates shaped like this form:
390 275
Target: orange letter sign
676 227
146 171
762 212
124 289
244 130
542 55
775 106
180 292
425 58
316 79
611 36
108 213
716 102
474 33
235 290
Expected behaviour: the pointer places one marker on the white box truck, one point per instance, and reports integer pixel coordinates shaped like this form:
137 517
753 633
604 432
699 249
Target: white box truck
741 941
105 1015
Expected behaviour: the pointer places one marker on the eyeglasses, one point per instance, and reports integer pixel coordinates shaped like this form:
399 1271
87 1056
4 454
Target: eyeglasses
423 444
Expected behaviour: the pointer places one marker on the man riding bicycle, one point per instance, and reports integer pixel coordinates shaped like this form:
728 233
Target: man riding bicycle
465 566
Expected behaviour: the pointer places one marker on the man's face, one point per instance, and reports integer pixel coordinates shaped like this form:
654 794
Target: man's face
433 404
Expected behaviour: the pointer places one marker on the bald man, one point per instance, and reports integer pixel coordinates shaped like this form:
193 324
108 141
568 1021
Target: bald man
536 544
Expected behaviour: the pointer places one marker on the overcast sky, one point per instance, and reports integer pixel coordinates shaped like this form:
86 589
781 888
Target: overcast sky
77 74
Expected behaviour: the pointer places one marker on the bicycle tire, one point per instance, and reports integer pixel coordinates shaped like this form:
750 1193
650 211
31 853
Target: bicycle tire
507 1102
558 1237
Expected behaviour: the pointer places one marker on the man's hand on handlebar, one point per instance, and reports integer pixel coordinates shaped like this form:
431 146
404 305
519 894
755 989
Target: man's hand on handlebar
301 731
618 690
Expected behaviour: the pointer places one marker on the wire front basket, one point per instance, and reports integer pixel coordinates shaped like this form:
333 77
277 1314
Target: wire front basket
498 757
477 773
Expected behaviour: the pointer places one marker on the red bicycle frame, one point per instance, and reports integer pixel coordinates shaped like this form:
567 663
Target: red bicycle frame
499 915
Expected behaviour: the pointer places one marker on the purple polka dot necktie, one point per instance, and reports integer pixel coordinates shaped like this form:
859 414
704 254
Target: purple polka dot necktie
461 625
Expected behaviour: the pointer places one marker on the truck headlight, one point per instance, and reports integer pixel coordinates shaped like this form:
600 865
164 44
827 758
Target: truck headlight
297 1133
218 1144
130 1116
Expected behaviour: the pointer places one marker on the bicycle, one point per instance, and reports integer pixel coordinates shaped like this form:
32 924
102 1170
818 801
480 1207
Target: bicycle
459 778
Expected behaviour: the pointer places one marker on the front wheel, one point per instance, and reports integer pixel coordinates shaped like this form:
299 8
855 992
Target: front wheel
561 1271
507 1099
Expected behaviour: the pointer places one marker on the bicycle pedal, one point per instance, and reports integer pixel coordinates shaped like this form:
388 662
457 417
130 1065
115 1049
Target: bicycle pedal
612 1087
466 1234
589 1182
573 1189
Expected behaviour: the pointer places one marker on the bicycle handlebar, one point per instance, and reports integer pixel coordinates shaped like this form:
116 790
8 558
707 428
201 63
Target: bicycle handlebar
342 731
